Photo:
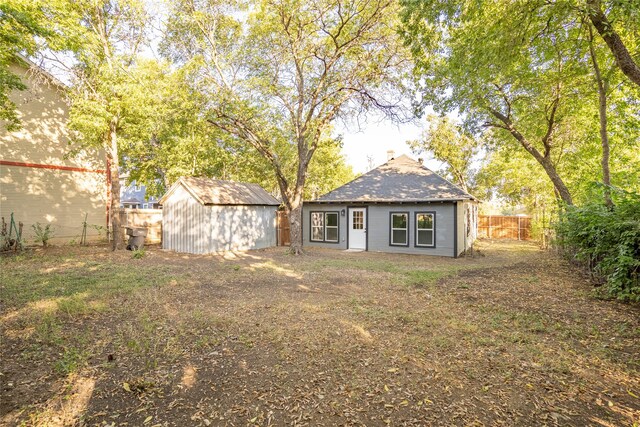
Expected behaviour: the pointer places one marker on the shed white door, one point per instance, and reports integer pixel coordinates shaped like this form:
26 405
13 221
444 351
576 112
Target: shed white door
357 228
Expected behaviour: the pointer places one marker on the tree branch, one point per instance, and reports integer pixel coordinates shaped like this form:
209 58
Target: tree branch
508 125
242 130
551 119
612 38
505 98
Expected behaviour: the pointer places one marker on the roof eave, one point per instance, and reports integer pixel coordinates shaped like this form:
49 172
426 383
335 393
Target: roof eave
458 199
173 188
242 204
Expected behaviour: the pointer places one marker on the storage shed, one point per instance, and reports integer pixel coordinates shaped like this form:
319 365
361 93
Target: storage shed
203 215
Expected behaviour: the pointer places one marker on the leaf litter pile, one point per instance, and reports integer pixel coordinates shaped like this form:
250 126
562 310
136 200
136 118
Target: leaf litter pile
511 336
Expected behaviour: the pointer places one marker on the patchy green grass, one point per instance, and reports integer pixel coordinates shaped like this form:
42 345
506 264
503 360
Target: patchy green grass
330 338
51 300
404 272
71 359
74 279
361 264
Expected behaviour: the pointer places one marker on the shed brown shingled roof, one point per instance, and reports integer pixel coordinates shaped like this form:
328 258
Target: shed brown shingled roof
399 180
210 191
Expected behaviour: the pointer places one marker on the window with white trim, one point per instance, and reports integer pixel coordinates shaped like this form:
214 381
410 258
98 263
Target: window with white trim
317 226
324 227
399 229
425 229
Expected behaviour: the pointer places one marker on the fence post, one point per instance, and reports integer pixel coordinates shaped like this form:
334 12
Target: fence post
519 228
490 226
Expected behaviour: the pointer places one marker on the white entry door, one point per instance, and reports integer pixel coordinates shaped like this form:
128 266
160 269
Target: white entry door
357 228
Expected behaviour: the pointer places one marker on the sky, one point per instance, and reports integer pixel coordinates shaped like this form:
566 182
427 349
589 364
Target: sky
376 137
374 140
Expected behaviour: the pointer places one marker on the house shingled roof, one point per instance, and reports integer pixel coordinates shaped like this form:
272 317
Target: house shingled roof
399 180
210 191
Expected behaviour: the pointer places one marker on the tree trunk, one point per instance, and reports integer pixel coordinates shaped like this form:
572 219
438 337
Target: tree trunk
624 60
606 173
462 182
295 228
295 210
544 160
114 165
558 183
296 201
604 136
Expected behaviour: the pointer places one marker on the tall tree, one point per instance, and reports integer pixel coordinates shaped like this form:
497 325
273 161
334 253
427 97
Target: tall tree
328 169
27 27
279 74
113 33
602 83
166 136
628 14
506 65
450 144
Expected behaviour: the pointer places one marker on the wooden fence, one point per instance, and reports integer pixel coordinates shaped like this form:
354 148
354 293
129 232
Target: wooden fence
283 229
151 219
504 227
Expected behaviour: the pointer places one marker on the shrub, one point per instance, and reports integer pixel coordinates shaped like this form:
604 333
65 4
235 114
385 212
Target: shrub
138 254
607 241
43 234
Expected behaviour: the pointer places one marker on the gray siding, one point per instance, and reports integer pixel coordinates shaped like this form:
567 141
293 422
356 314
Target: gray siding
378 227
184 224
191 227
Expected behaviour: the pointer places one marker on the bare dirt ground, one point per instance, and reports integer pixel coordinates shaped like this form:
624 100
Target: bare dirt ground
511 337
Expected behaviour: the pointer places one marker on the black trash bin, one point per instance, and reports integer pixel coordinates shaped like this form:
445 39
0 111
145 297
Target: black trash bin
136 238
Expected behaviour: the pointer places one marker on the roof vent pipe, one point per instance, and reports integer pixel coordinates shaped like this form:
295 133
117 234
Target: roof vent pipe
420 160
390 155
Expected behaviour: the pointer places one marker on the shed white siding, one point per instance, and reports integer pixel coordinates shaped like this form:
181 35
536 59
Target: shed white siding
191 227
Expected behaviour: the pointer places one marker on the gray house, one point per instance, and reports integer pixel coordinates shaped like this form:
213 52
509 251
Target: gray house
133 196
202 215
401 206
